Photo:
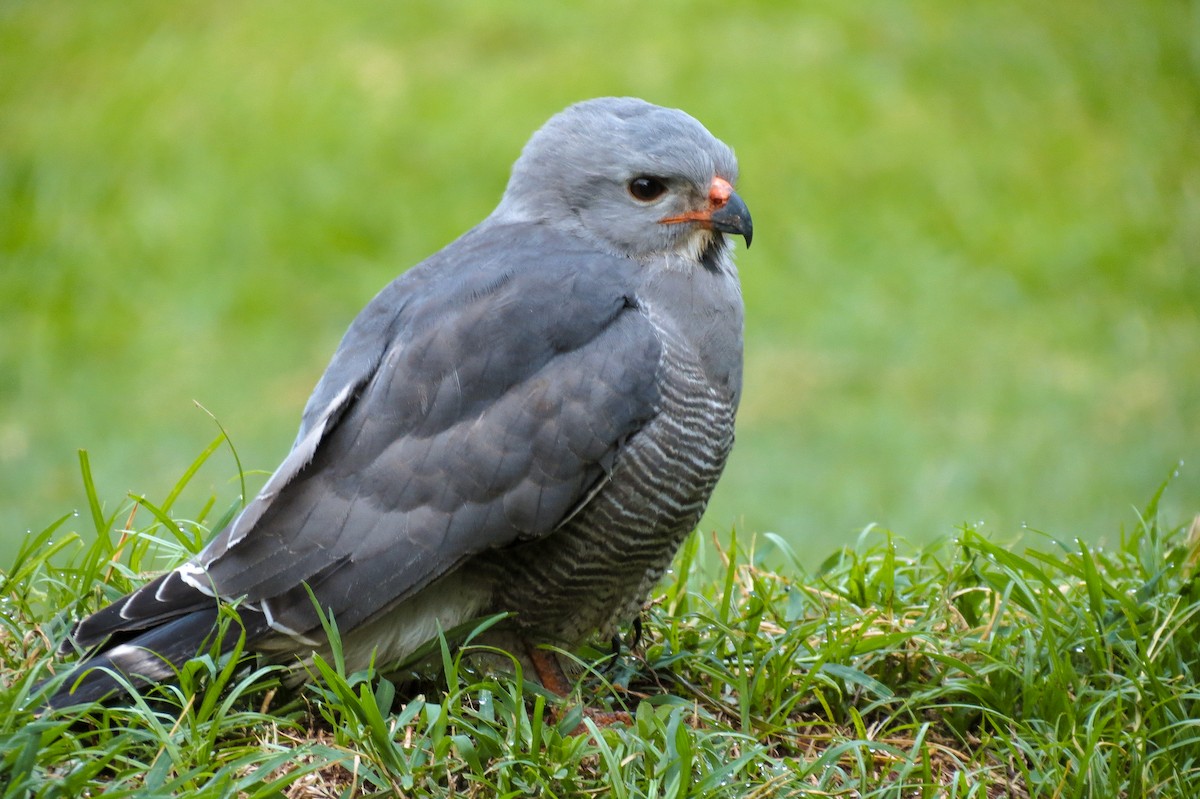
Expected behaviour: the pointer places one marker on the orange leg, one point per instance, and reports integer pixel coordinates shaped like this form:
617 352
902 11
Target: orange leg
549 672
551 676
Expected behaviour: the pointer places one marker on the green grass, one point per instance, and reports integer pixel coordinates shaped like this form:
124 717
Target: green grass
972 296
971 306
956 669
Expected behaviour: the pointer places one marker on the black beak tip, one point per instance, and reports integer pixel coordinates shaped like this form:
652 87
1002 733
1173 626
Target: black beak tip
734 218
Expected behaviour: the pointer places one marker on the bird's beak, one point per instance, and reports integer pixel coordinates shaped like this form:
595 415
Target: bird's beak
724 212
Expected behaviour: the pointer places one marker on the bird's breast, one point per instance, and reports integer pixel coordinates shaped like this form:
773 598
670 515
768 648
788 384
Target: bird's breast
594 571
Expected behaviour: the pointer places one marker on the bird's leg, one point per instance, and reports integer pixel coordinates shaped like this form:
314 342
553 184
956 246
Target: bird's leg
550 674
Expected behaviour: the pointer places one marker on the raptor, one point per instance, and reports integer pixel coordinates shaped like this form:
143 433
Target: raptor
528 422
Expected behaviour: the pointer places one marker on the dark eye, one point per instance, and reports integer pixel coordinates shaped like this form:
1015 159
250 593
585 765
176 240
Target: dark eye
646 188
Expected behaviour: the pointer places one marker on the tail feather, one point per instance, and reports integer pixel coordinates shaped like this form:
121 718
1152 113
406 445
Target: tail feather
155 604
146 658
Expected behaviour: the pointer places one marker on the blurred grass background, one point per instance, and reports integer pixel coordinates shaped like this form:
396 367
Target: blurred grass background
973 294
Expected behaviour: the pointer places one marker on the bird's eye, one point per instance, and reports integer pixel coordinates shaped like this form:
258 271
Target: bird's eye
646 188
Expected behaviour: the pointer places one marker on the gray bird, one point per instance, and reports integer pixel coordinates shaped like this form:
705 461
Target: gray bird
529 422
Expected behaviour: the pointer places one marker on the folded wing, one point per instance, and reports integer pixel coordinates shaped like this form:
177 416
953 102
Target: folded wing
473 404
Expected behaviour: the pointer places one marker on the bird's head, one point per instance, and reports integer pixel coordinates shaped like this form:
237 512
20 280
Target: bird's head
639 180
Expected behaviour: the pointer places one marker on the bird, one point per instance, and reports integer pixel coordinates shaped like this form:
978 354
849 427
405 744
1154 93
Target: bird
529 423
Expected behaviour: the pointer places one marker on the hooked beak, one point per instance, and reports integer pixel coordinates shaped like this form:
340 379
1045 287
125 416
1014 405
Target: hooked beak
725 212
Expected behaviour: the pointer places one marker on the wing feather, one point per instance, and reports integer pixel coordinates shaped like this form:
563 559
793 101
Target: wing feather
476 401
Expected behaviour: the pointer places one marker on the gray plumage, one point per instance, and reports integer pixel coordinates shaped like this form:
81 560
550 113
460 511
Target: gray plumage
529 421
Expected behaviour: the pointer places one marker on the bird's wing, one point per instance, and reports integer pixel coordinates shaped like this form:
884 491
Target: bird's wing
478 414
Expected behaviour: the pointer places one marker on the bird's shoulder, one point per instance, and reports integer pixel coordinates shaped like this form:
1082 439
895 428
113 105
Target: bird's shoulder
510 287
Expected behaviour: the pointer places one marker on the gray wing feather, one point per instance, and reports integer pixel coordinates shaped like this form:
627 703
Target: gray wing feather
474 403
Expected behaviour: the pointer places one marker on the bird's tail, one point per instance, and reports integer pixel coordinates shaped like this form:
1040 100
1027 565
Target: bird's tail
148 657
